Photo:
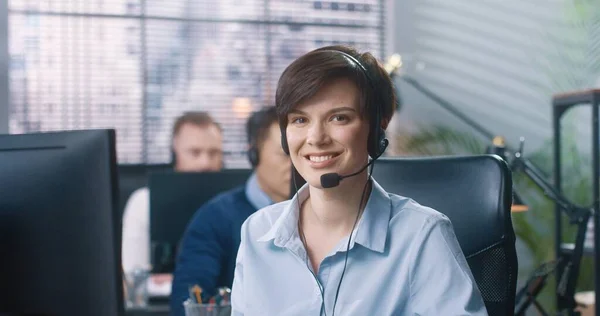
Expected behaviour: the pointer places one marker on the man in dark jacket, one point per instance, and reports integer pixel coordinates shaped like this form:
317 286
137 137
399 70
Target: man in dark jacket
210 244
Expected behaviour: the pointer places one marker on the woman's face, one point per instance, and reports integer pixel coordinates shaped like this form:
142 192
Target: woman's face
327 133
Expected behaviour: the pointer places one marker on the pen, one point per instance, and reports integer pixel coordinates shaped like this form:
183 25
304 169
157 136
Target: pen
211 304
218 298
225 293
198 293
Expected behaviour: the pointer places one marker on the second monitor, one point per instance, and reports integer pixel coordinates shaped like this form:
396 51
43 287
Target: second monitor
174 198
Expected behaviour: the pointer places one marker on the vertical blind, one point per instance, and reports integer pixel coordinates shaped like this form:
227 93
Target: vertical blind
500 61
135 65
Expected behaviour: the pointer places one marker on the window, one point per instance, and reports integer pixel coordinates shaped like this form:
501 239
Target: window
164 58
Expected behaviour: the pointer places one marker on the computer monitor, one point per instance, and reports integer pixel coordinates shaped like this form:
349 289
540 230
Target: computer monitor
133 177
174 198
60 234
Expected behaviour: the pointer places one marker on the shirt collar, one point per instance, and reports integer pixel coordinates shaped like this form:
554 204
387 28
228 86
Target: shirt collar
257 197
373 225
287 224
371 231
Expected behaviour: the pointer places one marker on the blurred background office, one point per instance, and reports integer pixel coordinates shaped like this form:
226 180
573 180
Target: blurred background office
137 65
196 146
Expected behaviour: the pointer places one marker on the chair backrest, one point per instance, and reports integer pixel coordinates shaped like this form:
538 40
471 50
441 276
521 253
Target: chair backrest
475 192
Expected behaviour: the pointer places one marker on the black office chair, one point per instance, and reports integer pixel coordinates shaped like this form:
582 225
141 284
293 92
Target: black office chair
475 192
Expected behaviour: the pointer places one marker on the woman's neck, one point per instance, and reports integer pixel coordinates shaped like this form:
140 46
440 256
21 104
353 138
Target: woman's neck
336 209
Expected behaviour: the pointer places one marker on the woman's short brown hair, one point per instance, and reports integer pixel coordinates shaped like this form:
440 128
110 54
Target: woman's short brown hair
304 77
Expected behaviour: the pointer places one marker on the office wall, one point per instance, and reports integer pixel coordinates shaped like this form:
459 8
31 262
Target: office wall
499 62
4 67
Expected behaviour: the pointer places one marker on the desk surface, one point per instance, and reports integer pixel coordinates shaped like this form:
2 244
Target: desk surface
162 310
150 310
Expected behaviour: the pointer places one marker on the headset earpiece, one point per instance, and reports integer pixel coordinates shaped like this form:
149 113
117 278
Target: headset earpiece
253 156
284 144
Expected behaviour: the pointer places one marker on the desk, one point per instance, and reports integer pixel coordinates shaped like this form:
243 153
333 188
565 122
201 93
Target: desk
150 310
162 310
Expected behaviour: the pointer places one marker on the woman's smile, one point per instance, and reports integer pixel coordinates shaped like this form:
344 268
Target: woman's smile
321 160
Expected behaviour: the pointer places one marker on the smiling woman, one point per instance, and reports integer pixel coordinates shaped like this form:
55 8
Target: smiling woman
396 256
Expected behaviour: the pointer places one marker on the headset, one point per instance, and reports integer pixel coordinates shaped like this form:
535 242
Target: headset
255 122
377 143
253 155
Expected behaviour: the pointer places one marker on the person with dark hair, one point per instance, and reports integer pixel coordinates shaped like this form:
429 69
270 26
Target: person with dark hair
210 242
343 245
197 146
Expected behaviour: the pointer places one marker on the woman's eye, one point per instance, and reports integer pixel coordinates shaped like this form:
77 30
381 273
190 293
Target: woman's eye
338 118
298 120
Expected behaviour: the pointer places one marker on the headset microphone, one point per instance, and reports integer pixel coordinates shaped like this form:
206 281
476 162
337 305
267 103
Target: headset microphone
331 180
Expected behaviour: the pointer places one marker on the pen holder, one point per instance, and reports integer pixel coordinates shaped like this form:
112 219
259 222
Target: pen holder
195 309
137 295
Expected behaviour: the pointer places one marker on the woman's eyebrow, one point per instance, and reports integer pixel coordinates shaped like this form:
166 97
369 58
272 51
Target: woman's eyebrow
341 109
334 110
295 111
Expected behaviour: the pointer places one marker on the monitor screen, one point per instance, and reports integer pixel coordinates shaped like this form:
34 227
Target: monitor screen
60 233
174 198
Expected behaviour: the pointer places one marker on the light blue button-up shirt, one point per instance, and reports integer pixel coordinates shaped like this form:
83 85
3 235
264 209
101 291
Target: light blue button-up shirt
404 259
256 196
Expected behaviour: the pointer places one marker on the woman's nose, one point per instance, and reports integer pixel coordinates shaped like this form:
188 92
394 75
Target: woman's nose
317 135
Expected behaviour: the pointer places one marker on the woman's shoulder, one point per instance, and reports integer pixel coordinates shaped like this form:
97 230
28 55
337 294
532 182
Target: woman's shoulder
261 221
406 210
411 222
